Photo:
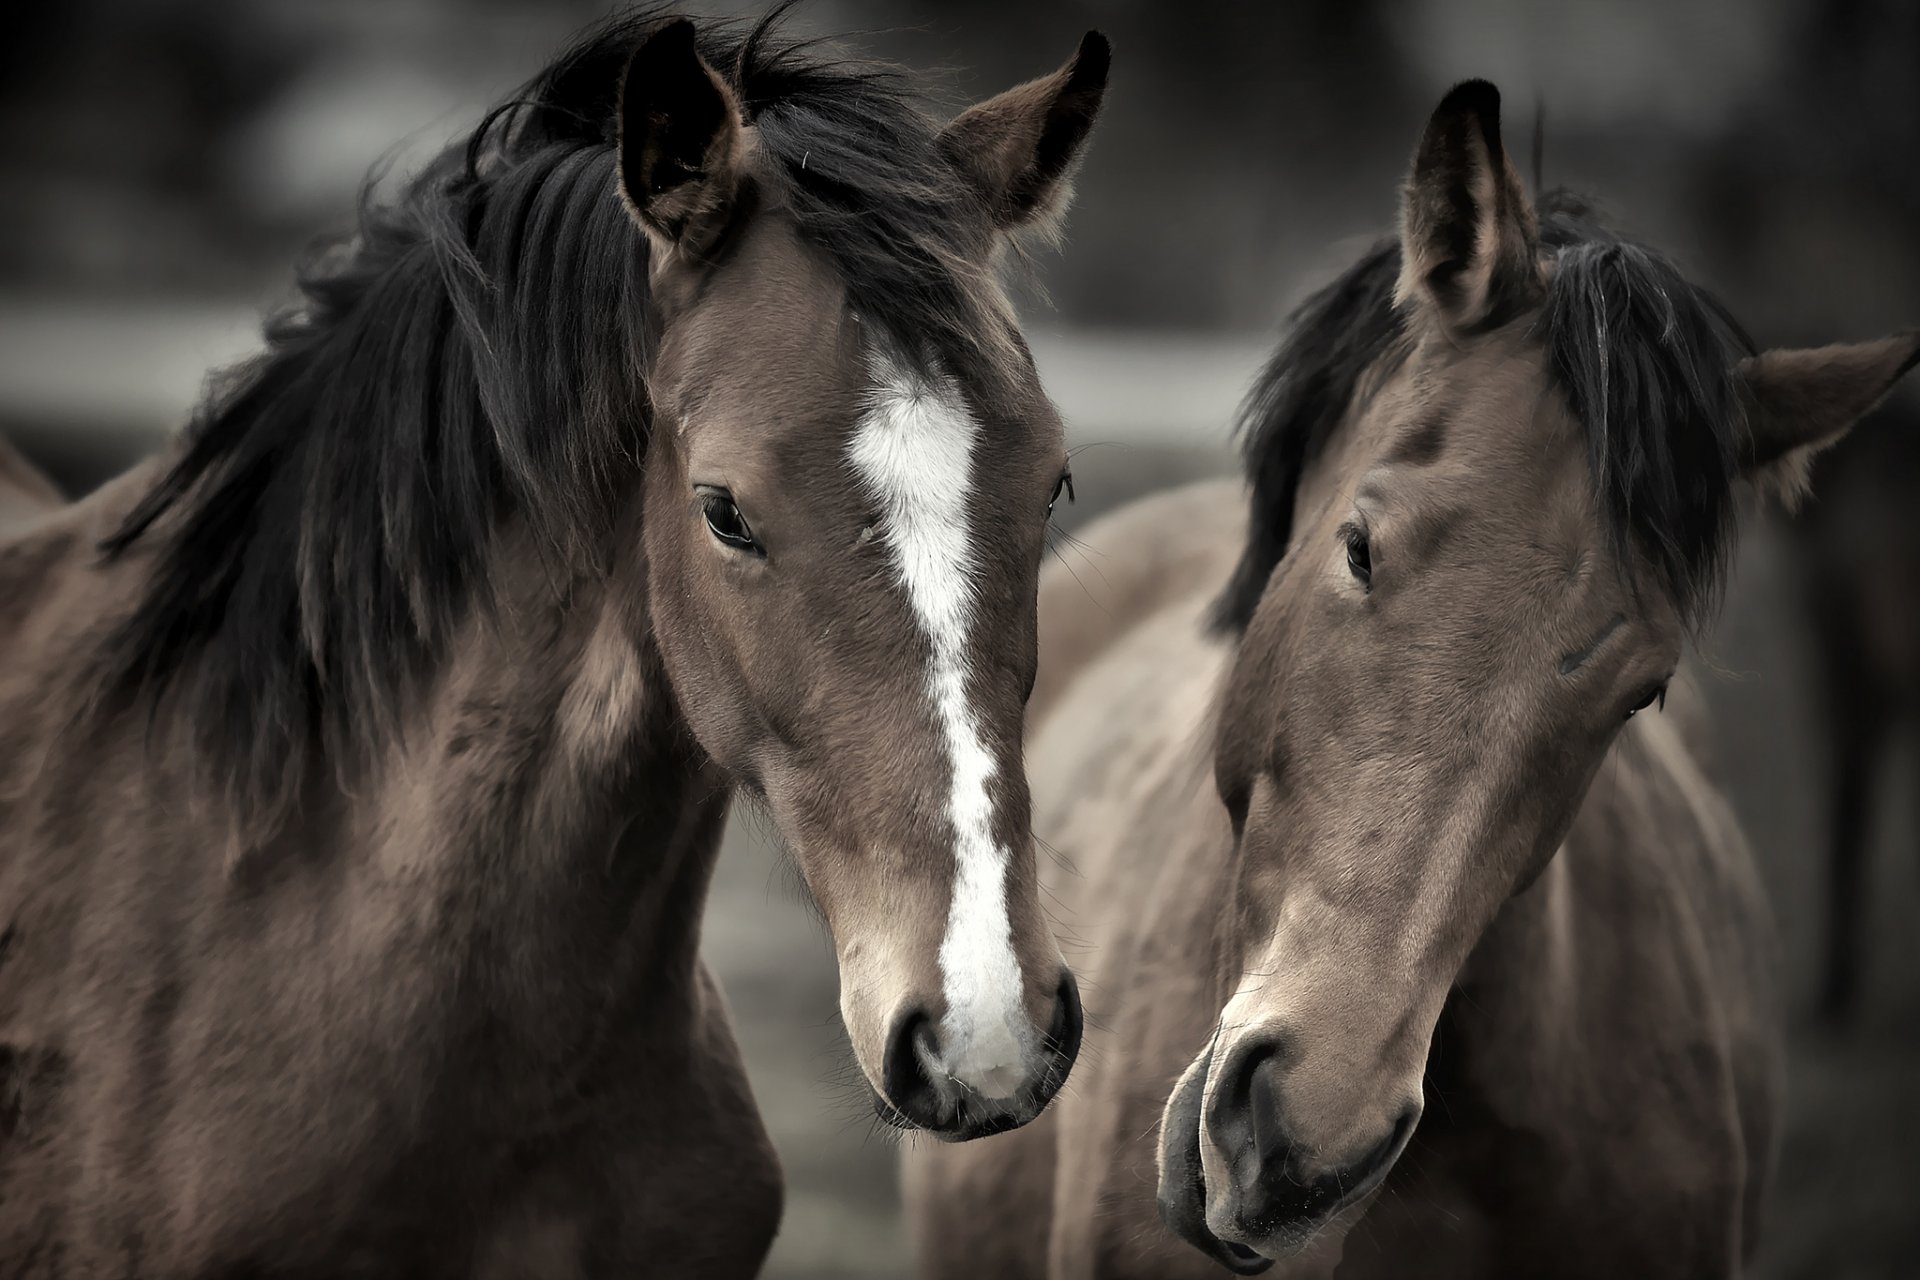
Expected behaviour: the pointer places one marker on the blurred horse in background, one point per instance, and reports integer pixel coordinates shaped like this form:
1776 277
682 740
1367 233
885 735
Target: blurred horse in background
1857 562
365 759
1399 910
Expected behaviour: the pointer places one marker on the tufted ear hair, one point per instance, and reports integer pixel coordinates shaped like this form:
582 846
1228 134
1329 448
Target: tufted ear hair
680 141
1469 239
1802 401
1019 148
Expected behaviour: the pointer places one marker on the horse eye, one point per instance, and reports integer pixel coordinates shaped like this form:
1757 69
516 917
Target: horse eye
1359 555
1064 486
1656 694
726 523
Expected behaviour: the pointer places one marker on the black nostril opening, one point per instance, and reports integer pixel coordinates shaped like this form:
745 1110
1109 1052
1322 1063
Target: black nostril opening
1069 1021
1064 1033
1286 1198
1241 1260
1244 1116
910 1090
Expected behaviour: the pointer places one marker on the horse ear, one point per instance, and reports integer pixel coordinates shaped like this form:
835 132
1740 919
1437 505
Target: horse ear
680 141
1019 147
1469 240
1800 402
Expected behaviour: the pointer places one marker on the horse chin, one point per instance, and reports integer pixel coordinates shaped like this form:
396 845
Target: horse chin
1242 1246
966 1129
1249 1246
1189 1221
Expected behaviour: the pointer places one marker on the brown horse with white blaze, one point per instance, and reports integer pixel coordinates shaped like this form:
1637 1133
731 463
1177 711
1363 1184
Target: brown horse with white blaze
1411 947
365 758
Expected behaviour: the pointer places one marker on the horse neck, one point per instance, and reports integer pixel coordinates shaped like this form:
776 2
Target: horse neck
550 759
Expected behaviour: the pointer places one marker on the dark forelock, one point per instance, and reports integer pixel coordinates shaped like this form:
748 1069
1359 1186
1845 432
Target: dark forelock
1647 360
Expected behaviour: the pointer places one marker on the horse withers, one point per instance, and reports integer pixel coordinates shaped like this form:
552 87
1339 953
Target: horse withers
1417 940
26 492
365 759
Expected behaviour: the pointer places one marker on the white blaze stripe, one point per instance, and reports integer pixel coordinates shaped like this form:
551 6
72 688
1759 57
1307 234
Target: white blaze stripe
914 451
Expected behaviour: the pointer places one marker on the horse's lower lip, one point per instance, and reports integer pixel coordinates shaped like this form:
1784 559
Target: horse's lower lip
1245 1261
981 1127
1183 1196
1231 1254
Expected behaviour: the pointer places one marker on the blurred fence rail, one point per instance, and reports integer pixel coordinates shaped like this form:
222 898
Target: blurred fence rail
89 386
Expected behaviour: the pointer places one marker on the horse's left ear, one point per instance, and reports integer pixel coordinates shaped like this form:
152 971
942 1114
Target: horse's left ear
1020 147
680 141
1800 402
1469 238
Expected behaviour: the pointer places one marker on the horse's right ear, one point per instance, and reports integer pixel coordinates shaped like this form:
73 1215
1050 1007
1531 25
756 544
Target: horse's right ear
1469 240
1801 401
680 141
1019 148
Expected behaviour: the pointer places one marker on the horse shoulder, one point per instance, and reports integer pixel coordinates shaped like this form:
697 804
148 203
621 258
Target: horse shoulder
1732 941
1121 770
1685 839
676 1175
1623 1005
1125 567
1119 757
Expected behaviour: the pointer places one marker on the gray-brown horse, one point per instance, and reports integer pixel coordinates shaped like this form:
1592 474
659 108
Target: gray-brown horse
1414 951
364 761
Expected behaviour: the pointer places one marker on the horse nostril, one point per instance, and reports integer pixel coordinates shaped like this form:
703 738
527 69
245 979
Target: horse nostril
1384 1152
1270 1134
1069 1022
1062 1044
922 1087
1244 1115
913 1045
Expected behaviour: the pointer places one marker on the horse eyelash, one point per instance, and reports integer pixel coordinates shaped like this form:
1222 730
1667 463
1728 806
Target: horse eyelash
1063 485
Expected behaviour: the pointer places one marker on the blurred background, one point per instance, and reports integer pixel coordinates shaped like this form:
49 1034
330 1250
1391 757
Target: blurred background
161 162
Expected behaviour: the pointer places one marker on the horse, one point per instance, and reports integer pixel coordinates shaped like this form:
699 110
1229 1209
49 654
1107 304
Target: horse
1855 559
1414 945
670 438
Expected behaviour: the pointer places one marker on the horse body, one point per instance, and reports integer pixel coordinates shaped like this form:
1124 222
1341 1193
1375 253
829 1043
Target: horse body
469 993
1856 570
1606 1071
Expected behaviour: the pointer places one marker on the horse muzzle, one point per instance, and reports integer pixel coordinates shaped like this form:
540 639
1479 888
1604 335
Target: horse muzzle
1183 1181
924 1090
1268 1200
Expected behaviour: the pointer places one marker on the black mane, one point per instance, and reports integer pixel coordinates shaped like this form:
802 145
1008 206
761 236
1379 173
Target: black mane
1646 359
475 351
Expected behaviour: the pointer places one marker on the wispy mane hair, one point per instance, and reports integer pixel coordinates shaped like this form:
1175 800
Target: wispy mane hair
476 351
1647 360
